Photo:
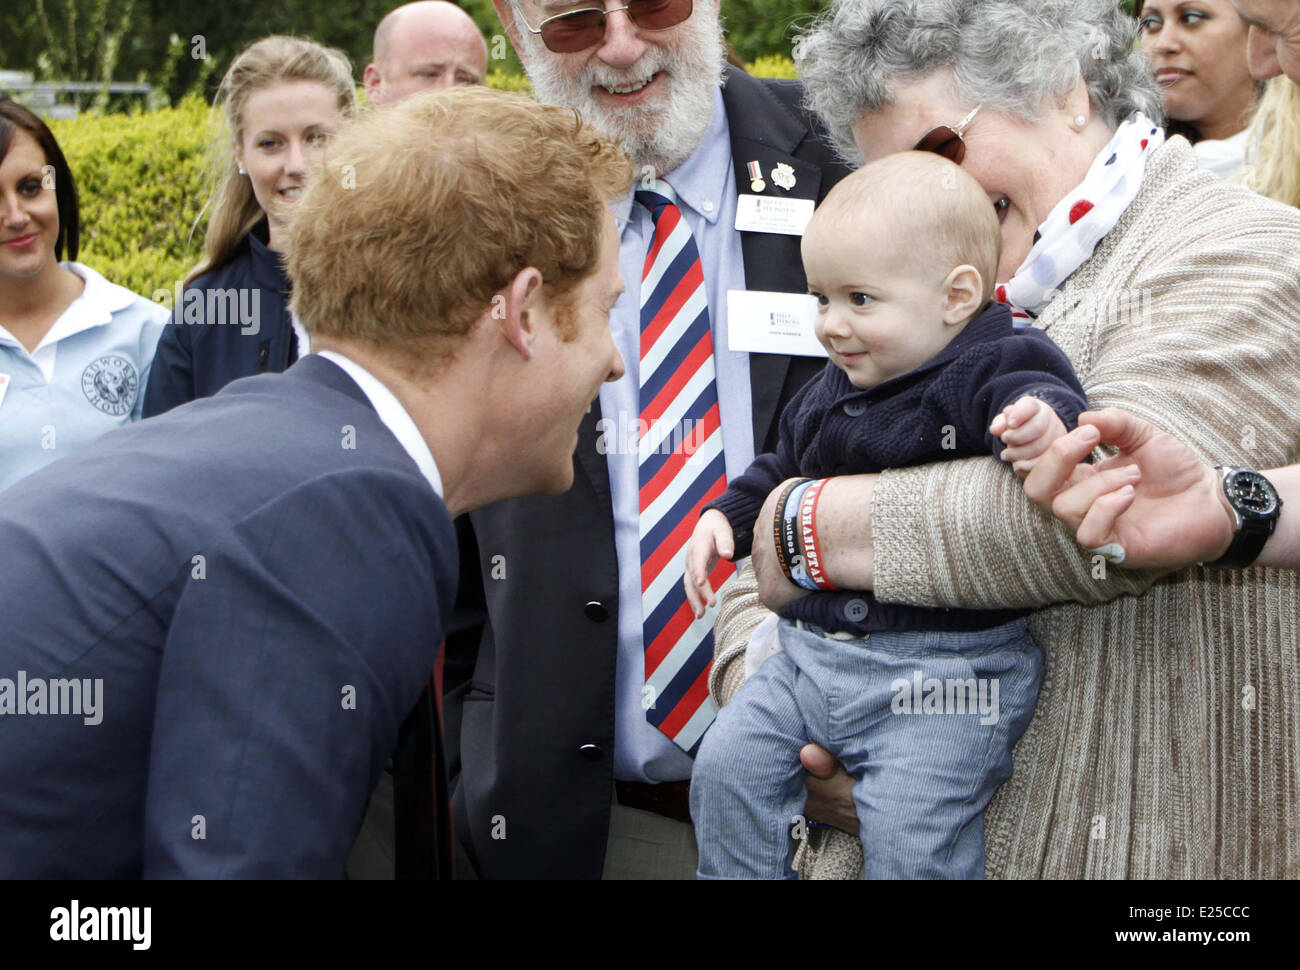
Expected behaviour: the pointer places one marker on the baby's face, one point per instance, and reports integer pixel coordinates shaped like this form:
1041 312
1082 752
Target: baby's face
879 315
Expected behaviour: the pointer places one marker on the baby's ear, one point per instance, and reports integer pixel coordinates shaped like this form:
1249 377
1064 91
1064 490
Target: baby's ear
963 294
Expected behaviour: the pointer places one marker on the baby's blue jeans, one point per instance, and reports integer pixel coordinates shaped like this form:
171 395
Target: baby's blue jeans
923 721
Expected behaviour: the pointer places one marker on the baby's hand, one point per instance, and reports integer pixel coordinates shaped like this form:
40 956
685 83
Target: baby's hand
711 540
1028 428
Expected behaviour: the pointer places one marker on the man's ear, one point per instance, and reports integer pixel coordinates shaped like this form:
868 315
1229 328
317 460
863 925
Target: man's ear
372 80
963 294
517 311
506 14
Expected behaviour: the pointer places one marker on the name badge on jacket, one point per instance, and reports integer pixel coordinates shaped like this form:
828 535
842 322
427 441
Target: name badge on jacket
759 322
770 213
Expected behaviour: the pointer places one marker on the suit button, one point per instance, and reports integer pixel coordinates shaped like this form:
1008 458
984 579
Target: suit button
596 612
591 752
855 409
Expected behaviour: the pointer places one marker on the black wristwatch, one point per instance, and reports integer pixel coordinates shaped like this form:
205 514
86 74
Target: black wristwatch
1256 507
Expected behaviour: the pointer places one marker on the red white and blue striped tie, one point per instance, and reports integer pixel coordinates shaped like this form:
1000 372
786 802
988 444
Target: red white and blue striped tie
682 468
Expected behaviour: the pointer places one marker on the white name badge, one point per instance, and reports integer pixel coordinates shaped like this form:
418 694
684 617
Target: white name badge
772 323
4 386
768 213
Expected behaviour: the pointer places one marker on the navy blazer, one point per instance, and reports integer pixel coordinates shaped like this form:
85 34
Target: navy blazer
530 669
260 580
209 341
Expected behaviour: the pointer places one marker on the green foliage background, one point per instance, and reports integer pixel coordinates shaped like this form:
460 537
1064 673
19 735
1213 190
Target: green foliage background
141 183
153 40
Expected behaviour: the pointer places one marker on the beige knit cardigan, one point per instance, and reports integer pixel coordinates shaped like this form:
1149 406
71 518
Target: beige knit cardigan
1166 741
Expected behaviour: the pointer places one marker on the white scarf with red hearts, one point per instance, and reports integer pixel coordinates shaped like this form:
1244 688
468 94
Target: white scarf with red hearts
1081 220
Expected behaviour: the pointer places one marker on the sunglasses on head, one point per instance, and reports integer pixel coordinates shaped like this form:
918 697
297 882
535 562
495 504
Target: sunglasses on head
577 30
947 141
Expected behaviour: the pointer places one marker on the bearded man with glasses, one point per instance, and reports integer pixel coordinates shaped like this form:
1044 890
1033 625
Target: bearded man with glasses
577 690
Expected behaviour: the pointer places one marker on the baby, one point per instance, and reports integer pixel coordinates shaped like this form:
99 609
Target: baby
922 706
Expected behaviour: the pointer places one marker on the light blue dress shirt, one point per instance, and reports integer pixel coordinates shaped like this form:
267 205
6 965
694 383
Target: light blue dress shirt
706 190
86 376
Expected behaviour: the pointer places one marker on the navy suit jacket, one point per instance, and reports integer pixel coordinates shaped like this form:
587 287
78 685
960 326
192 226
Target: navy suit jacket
531 660
261 580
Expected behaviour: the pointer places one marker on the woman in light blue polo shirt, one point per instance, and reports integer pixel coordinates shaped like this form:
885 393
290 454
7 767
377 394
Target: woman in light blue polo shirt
75 349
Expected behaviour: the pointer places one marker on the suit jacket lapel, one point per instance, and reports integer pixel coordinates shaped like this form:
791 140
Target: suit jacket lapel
591 455
764 130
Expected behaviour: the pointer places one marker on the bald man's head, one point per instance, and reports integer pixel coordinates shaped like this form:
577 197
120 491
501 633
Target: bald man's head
424 45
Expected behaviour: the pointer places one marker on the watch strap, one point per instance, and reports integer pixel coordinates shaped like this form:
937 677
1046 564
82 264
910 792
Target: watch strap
1246 545
1252 533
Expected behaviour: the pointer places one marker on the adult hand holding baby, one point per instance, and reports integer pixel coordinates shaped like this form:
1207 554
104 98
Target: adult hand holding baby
1151 499
830 789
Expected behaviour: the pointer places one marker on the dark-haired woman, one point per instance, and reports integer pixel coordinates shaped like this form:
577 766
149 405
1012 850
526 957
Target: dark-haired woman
75 349
1197 52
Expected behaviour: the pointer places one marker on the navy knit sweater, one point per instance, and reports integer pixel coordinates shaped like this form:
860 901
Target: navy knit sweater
939 411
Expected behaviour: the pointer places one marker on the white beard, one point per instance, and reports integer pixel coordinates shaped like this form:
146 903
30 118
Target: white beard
660 133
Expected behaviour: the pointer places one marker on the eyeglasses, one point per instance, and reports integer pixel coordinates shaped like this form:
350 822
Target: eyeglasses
947 141
577 30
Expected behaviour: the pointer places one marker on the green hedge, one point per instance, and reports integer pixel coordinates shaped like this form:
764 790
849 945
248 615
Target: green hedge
141 179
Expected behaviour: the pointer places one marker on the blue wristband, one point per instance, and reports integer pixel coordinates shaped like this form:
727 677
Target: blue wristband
793 541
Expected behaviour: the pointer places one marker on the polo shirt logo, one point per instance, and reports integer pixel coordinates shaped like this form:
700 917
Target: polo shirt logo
111 384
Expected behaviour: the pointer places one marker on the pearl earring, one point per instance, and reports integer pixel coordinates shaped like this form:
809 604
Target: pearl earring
1080 122
242 172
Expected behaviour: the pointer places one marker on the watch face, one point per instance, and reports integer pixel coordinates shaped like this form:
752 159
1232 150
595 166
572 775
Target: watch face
1251 494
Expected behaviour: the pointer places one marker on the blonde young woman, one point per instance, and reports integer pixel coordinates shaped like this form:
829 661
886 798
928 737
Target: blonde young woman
281 101
1273 159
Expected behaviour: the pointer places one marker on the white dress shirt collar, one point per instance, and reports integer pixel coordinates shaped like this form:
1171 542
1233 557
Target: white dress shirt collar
393 415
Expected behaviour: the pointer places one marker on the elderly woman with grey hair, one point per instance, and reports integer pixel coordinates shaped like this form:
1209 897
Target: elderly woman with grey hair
1165 738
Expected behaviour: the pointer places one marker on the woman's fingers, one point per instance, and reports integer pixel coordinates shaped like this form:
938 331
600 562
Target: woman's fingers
1125 431
1060 464
818 761
1098 526
830 789
1072 505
